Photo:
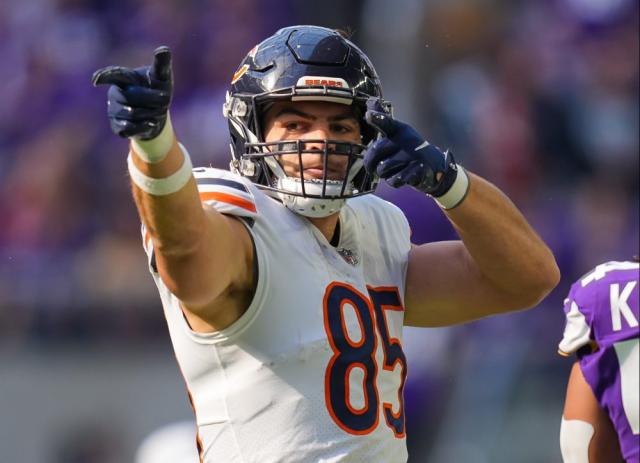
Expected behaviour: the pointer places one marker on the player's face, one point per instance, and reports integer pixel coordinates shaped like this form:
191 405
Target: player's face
314 121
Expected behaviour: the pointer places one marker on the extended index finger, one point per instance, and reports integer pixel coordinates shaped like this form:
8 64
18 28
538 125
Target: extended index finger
382 122
161 68
378 118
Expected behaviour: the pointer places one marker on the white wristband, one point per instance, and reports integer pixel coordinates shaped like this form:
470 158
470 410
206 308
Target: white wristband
156 149
457 192
162 186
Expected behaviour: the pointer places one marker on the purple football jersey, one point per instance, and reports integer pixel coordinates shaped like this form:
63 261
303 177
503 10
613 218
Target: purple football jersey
602 328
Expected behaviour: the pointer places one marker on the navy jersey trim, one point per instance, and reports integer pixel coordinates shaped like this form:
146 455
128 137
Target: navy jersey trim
223 182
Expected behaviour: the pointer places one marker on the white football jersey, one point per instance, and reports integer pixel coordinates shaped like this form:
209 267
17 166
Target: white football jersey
313 371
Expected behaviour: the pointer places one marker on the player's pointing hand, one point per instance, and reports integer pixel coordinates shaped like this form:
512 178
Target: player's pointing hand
403 157
138 99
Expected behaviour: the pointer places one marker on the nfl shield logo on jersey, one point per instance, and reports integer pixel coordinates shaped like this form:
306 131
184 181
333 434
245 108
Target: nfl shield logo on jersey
349 256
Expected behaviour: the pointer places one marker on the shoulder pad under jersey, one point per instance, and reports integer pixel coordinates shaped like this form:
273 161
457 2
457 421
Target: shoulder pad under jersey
227 192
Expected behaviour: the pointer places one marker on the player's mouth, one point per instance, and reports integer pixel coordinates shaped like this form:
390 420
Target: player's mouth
318 173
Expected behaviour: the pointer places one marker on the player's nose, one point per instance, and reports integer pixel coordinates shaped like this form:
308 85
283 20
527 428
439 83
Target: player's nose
315 139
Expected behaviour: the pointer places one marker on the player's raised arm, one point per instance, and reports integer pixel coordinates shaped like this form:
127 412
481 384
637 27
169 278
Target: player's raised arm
200 253
500 265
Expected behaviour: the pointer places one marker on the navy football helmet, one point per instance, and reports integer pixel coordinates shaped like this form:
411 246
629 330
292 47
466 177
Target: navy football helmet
301 63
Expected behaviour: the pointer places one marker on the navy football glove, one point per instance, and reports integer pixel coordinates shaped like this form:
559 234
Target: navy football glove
138 99
403 157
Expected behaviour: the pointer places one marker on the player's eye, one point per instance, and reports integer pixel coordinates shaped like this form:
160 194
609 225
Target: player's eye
293 126
343 128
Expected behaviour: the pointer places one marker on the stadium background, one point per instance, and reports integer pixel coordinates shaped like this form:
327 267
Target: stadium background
539 96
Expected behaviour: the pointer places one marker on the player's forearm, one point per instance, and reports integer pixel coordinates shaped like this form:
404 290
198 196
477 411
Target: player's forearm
176 220
504 247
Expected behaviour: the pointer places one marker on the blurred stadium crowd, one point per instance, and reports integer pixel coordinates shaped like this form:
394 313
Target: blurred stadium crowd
539 96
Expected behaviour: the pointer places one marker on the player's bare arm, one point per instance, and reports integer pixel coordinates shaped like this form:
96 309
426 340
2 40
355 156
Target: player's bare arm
586 433
500 265
202 256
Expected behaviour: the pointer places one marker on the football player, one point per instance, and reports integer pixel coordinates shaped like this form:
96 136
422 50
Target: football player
601 418
284 281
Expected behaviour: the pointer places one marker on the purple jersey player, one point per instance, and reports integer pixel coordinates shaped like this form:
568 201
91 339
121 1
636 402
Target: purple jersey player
601 419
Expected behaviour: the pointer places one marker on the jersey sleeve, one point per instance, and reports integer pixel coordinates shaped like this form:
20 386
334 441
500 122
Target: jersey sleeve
224 191
578 332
